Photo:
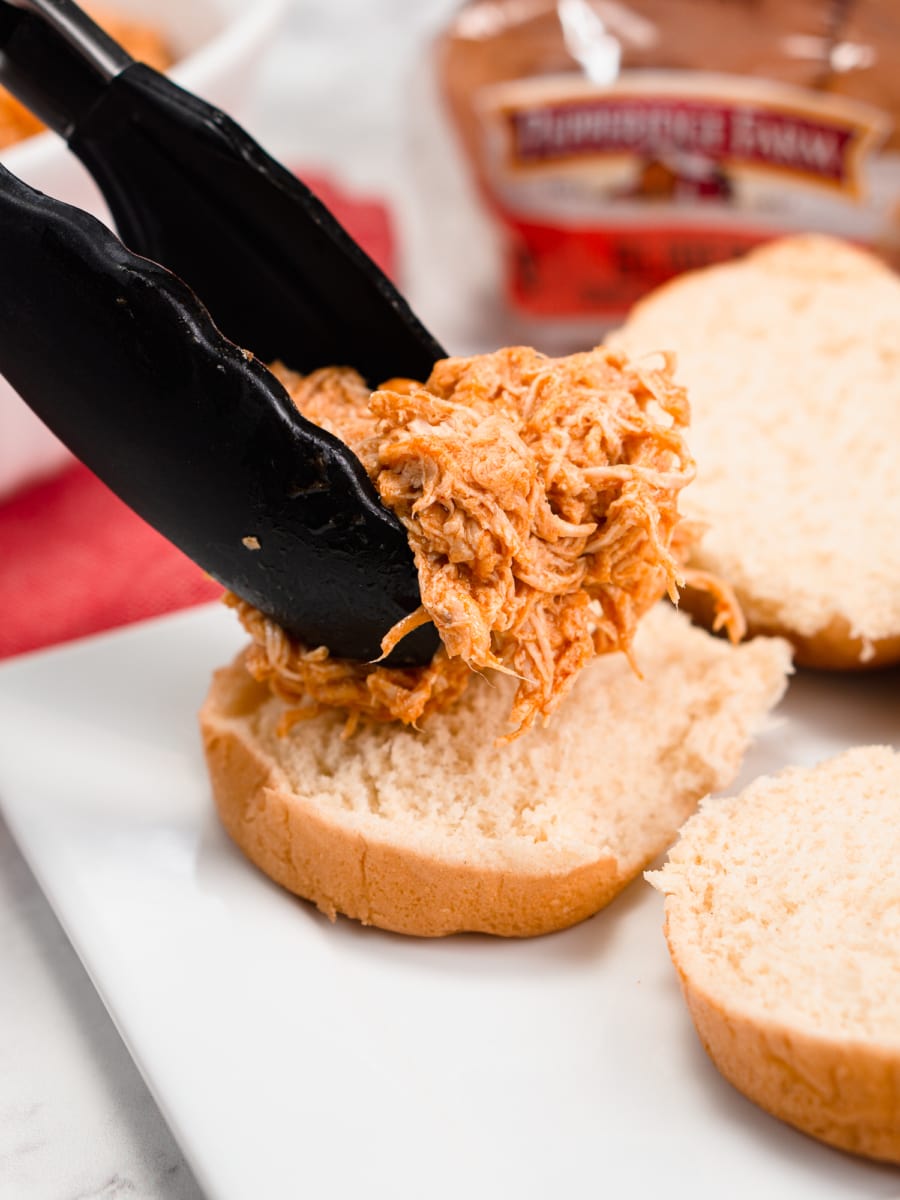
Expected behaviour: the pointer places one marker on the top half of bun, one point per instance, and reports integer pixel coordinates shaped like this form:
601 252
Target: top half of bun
791 358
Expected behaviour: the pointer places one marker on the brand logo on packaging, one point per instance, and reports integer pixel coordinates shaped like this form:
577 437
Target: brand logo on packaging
607 190
804 142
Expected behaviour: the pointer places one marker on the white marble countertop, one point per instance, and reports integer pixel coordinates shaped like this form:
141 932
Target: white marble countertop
76 1120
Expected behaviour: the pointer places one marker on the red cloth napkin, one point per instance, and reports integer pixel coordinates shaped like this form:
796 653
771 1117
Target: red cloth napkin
75 560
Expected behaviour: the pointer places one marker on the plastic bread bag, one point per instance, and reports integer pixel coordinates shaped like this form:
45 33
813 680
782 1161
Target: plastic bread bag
614 145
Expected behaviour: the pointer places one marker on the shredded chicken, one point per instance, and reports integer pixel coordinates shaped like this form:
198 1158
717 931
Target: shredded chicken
311 681
540 500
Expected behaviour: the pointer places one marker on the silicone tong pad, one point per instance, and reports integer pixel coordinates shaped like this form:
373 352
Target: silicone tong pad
189 188
122 361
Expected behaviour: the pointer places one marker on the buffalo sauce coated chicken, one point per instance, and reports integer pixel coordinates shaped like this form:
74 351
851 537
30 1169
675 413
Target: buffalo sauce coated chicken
540 500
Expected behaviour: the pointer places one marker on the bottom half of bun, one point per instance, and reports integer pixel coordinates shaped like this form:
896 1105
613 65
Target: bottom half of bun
440 830
782 923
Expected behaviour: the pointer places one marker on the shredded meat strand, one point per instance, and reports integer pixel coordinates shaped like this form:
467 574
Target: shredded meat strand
311 681
540 497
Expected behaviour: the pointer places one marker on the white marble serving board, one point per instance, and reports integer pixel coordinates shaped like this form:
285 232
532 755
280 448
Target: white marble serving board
293 1057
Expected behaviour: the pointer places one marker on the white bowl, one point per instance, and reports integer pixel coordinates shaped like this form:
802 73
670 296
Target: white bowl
218 45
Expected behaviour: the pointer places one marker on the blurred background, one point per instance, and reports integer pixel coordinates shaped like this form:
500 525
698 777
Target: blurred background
527 169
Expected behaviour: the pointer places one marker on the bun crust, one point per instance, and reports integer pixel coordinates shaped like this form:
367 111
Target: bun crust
377 882
440 831
842 1094
832 648
790 358
781 920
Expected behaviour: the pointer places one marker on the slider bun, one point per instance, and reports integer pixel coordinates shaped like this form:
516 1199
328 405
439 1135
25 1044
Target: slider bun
783 921
791 360
436 831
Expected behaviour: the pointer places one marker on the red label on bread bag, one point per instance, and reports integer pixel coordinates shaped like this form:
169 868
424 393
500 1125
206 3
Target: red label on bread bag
581 271
606 192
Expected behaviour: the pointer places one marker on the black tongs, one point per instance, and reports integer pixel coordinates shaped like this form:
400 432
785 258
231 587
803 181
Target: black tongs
147 360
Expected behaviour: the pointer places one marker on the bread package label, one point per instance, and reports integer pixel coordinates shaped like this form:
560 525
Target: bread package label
620 142
608 190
